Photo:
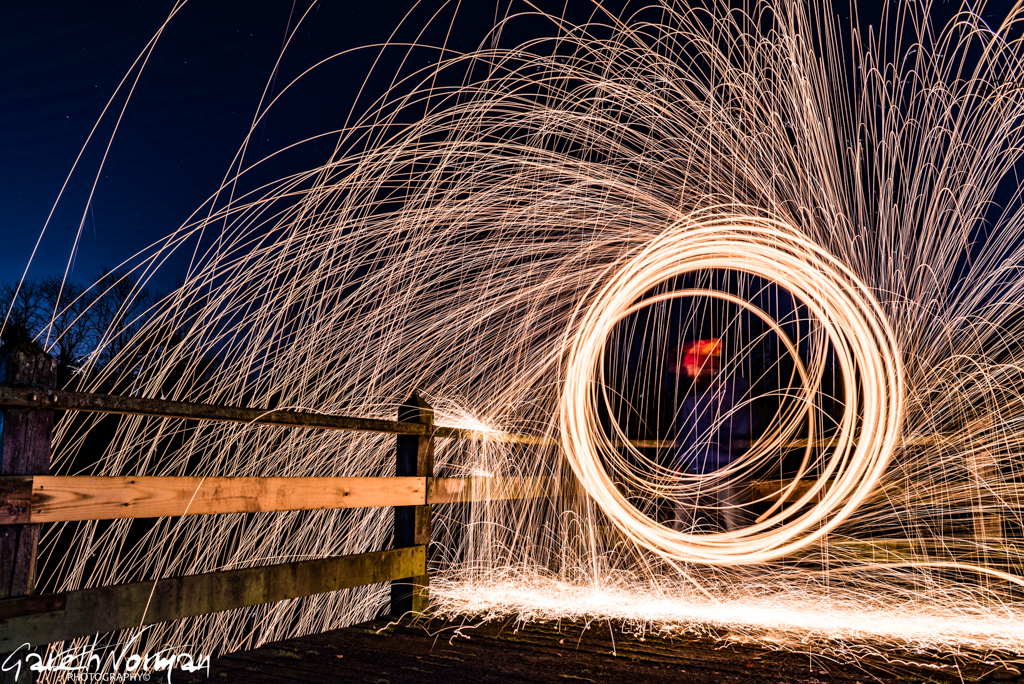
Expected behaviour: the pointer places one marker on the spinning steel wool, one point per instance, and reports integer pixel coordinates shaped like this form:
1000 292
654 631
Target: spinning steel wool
524 232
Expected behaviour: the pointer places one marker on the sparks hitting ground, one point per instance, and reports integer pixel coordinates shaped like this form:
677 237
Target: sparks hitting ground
510 250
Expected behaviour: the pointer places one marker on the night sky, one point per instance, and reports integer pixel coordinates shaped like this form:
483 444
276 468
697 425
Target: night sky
62 61
188 116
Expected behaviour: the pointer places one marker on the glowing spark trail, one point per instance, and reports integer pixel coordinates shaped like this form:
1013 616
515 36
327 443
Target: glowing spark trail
854 324
525 232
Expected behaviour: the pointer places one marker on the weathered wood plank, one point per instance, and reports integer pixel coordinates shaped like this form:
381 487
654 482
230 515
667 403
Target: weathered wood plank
25 441
107 609
19 545
25 436
32 605
16 500
138 406
444 490
53 499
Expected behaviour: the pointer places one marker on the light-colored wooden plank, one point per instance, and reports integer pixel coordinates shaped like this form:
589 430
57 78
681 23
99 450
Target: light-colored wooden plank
56 498
103 498
465 489
68 498
107 609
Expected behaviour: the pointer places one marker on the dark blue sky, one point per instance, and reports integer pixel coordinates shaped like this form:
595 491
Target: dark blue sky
61 60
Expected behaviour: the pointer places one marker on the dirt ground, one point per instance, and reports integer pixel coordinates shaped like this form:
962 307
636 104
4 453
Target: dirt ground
468 651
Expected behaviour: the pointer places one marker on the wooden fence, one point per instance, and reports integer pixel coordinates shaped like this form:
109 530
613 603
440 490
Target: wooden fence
29 496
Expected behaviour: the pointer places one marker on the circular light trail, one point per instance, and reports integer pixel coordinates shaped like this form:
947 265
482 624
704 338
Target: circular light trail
864 347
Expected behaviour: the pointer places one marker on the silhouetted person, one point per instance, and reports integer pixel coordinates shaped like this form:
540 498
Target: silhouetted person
712 434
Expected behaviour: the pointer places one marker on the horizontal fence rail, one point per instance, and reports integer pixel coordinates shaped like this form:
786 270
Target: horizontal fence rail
31 499
42 499
29 398
47 498
17 397
444 490
45 619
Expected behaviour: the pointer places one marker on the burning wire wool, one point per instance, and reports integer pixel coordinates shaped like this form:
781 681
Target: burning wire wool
513 230
863 344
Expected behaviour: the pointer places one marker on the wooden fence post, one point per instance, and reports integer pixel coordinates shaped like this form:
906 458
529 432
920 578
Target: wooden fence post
24 450
415 458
